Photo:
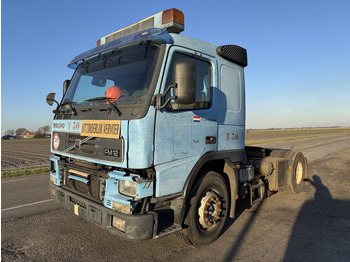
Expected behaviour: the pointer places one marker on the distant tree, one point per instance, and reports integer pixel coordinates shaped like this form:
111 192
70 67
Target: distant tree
10 132
20 131
46 130
42 131
39 133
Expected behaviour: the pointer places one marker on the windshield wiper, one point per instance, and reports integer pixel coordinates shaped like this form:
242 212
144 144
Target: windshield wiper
70 103
103 98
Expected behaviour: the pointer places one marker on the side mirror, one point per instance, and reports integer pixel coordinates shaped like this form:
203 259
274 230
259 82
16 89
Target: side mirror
185 81
50 98
66 83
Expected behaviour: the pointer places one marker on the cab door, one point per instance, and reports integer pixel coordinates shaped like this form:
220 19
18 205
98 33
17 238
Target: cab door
186 131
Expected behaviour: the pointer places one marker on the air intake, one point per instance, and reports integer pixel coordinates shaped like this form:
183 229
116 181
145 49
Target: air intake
233 53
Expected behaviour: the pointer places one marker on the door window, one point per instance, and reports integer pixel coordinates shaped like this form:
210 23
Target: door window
203 87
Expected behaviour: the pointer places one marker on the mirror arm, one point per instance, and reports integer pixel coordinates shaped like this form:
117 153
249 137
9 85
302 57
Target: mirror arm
56 111
160 106
168 89
58 105
159 98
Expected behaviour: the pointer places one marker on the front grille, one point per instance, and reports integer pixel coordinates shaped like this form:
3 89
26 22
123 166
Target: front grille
108 149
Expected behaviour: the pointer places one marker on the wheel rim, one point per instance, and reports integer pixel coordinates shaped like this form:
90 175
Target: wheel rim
210 210
299 173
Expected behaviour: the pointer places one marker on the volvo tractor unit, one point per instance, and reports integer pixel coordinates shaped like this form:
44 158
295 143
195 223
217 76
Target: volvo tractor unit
149 137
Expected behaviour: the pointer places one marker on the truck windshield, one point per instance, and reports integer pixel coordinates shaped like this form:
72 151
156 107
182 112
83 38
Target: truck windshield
121 76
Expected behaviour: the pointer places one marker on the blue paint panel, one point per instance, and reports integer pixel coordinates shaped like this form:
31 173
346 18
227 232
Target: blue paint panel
140 150
182 136
164 146
55 173
112 191
71 126
78 179
231 137
143 188
171 177
179 136
194 44
231 104
199 132
112 194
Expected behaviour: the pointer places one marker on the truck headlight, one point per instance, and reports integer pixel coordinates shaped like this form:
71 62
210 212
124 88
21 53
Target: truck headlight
127 188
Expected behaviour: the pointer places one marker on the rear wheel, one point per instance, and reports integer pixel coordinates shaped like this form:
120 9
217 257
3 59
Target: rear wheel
209 205
298 175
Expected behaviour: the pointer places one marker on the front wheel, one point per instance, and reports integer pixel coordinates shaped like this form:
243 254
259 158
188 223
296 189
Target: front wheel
208 210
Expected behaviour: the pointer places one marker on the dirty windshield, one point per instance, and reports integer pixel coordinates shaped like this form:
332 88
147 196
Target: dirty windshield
121 77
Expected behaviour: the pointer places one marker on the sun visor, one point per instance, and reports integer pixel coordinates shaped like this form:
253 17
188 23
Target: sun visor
154 34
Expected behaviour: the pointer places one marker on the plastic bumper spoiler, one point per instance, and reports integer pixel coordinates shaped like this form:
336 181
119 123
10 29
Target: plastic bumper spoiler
140 227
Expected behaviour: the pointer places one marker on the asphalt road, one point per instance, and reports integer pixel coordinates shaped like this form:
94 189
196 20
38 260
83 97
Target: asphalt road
311 226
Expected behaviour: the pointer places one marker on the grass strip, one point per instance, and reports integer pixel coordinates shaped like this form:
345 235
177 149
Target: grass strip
286 139
24 172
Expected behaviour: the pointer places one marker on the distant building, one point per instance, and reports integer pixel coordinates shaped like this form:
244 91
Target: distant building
27 134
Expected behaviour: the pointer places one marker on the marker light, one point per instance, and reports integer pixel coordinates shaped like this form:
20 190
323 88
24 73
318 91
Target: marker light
171 20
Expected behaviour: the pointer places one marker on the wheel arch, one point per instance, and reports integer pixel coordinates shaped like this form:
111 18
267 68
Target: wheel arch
222 163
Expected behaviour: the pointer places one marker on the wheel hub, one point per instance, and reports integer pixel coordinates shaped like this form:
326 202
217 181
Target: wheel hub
210 210
299 173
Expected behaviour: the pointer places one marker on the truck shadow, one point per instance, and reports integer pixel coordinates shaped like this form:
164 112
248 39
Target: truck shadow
322 229
241 206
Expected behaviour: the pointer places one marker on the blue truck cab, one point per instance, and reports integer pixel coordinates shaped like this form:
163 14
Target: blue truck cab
149 137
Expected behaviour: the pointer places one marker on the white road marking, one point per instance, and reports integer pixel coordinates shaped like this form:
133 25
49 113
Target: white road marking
13 180
30 204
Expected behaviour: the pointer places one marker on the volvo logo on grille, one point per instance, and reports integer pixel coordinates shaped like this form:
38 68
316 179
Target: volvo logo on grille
77 143
111 152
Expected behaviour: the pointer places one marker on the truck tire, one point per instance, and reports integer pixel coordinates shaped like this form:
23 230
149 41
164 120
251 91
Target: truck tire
298 175
208 210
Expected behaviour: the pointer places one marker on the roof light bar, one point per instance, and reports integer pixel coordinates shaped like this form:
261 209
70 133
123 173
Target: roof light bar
171 20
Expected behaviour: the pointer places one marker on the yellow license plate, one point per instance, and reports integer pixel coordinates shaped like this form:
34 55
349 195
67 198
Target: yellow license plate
76 210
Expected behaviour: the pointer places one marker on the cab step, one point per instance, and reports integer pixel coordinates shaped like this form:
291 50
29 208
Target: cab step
169 230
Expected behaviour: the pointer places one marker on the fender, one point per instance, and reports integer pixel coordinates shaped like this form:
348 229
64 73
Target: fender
228 157
237 155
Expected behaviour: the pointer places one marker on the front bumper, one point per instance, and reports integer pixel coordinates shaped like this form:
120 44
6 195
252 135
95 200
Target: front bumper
137 227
